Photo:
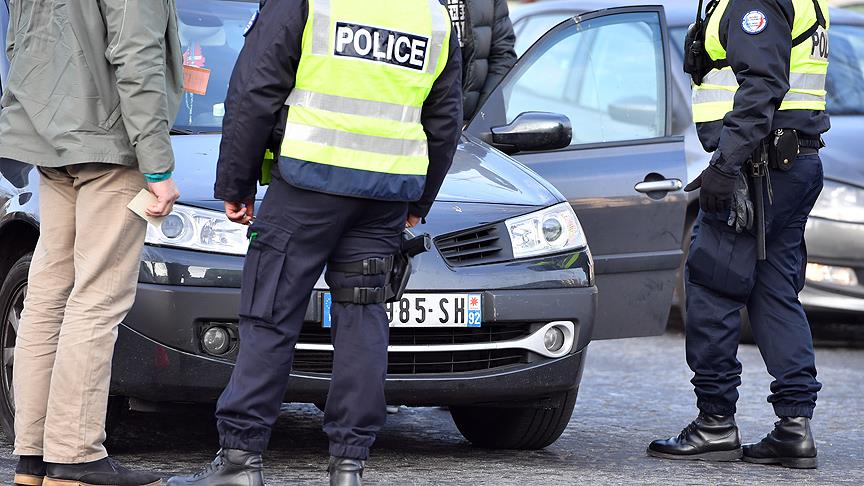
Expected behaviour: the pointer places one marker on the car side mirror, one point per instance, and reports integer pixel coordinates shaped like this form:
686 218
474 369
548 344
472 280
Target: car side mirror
533 130
638 110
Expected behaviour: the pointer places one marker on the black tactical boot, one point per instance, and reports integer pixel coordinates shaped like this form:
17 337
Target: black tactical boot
97 473
708 438
790 444
345 472
232 467
30 471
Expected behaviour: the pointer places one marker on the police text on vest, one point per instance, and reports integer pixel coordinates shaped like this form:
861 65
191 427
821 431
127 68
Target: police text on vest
381 45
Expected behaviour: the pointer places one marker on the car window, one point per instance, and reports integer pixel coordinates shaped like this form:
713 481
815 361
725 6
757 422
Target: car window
530 29
607 75
211 36
845 82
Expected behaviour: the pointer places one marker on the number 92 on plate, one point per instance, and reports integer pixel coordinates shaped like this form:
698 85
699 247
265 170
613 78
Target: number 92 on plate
428 310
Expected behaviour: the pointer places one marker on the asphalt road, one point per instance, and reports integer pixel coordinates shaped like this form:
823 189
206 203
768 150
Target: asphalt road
632 392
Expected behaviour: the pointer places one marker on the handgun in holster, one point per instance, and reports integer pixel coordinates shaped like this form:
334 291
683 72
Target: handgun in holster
397 268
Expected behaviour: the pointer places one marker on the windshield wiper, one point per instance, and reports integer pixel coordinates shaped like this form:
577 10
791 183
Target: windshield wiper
181 131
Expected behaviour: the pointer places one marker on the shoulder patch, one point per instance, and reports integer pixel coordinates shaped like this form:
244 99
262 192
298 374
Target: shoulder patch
754 22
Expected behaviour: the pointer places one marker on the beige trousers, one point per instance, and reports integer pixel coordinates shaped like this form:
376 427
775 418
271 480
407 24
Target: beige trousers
82 283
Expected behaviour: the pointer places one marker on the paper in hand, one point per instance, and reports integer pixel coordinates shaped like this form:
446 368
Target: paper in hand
139 206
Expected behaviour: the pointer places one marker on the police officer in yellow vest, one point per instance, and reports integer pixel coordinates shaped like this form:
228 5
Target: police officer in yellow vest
760 98
373 90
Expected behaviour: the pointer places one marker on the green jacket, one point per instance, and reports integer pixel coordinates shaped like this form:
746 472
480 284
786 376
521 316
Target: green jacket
92 81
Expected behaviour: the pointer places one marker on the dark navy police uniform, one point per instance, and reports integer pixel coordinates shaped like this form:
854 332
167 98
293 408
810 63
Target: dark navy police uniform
296 233
723 275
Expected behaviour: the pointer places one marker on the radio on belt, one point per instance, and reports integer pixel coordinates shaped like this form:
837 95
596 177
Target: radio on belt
381 45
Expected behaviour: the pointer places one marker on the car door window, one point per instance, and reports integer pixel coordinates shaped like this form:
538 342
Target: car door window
532 28
606 74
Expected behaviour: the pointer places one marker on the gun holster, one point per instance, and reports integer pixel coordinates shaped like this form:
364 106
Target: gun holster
397 268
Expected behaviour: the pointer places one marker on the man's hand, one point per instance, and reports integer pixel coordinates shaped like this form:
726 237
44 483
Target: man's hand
242 212
412 221
716 189
166 194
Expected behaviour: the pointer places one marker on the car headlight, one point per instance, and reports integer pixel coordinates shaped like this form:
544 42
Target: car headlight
551 230
199 229
840 202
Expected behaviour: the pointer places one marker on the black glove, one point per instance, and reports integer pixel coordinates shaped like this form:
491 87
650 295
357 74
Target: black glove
717 188
741 215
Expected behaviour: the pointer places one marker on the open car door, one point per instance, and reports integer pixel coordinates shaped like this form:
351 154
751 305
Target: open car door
607 72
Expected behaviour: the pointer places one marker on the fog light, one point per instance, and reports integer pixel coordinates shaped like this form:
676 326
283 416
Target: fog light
216 340
554 339
172 226
829 274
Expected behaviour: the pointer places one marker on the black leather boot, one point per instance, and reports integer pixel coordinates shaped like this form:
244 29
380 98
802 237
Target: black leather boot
232 467
708 438
97 473
30 471
345 472
790 444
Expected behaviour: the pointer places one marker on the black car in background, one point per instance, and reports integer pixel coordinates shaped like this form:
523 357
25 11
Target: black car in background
499 314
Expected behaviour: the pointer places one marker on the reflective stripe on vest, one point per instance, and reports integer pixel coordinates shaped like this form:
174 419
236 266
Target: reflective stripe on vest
807 72
363 77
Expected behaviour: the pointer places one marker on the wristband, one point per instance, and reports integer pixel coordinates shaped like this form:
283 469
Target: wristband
151 178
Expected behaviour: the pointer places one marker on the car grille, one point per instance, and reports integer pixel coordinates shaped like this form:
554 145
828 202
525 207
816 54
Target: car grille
412 363
313 333
420 363
474 247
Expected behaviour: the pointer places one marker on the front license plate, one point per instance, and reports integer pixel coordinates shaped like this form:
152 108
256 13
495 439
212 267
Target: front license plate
429 310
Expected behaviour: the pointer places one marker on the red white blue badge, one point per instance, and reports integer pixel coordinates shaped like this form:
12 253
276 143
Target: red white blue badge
754 22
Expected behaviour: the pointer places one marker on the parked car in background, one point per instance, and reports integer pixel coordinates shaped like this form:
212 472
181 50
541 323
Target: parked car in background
853 5
835 270
499 313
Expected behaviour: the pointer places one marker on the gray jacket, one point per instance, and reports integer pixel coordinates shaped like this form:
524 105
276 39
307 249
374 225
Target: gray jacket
92 81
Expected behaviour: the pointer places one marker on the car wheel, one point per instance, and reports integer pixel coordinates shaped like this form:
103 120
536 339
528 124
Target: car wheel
514 427
12 294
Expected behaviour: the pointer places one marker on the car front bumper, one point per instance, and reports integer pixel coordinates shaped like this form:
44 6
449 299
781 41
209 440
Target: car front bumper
160 357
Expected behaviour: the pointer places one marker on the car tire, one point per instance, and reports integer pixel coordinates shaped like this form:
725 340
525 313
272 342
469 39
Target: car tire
514 427
12 294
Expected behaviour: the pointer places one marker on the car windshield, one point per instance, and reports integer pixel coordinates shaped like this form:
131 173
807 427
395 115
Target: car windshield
845 68
211 36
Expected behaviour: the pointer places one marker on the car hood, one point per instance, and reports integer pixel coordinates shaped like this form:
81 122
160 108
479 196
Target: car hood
842 159
480 174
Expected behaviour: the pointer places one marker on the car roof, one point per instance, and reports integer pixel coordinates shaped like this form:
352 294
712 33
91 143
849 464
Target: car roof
678 12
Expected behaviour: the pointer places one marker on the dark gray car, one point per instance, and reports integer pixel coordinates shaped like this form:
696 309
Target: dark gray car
835 270
498 315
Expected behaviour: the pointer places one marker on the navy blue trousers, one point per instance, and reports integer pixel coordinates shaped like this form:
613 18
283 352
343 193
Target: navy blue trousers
724 276
295 233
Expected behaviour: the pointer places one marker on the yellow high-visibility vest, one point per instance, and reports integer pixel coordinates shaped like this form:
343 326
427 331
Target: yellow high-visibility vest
365 71
808 65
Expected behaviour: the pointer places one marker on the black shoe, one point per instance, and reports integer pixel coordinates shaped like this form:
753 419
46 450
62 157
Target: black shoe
30 471
345 472
97 473
232 467
790 444
708 438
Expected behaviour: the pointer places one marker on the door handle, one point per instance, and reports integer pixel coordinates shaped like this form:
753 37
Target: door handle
666 185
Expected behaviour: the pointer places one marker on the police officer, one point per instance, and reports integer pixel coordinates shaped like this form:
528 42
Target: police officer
374 115
765 89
